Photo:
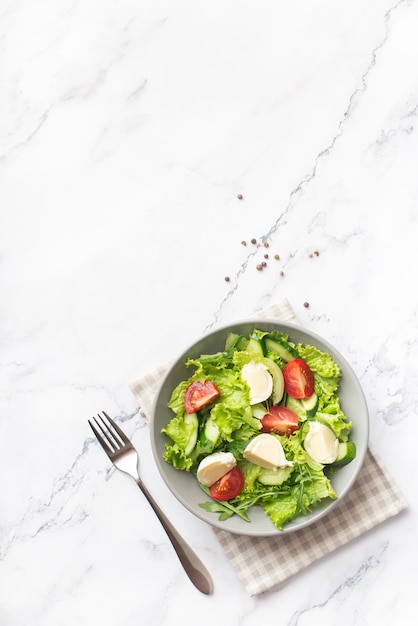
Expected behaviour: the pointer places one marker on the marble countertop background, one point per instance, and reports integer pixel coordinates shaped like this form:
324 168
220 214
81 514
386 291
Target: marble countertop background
127 131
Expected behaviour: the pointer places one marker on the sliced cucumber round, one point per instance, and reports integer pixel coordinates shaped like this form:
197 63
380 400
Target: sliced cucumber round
275 477
258 410
310 404
278 380
297 407
346 453
231 341
255 346
235 342
284 350
191 418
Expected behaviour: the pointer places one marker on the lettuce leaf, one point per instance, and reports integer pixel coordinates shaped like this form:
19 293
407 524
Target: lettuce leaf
251 474
332 415
326 371
179 431
176 403
177 457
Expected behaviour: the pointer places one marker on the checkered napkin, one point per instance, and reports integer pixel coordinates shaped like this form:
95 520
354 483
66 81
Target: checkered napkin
263 563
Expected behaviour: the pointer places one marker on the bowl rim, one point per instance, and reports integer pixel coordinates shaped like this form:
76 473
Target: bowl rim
300 522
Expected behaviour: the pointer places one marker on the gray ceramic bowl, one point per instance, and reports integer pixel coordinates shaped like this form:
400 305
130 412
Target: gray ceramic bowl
184 486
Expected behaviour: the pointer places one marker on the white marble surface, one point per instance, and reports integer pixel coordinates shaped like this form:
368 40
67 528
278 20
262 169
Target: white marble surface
127 130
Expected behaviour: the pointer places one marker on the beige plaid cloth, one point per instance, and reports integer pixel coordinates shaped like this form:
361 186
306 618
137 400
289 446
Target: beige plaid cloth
263 563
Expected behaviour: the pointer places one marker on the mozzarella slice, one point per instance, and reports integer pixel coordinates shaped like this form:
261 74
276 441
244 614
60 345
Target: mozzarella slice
214 466
266 450
259 380
321 443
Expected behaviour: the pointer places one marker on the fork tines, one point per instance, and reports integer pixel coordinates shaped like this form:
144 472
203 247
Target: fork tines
110 436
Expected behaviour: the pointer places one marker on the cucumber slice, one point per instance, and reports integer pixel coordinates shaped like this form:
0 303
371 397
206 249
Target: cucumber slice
297 407
346 453
209 436
231 341
284 350
275 477
305 407
278 381
235 342
255 346
310 404
191 418
242 343
211 430
258 410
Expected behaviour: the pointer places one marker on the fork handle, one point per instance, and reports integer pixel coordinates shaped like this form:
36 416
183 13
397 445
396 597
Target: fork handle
193 566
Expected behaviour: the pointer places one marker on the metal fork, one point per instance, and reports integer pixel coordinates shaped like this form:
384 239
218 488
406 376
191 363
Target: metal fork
124 456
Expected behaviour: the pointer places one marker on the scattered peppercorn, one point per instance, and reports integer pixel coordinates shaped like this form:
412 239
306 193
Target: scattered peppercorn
281 273
227 279
264 264
266 256
266 245
310 255
276 256
240 196
259 266
243 243
316 253
253 240
306 304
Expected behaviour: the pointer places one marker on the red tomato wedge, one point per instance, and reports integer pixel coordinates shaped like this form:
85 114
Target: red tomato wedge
229 486
280 420
199 394
299 381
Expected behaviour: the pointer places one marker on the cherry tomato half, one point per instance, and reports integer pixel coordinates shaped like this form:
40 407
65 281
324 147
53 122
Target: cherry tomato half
299 381
280 420
199 394
229 486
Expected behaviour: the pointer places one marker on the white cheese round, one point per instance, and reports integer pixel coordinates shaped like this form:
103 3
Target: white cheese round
266 450
259 380
321 443
214 466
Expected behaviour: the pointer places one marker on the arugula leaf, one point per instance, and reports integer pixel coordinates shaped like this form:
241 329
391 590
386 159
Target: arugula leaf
224 507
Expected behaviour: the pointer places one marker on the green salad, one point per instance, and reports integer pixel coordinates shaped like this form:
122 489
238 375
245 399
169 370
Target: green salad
260 423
